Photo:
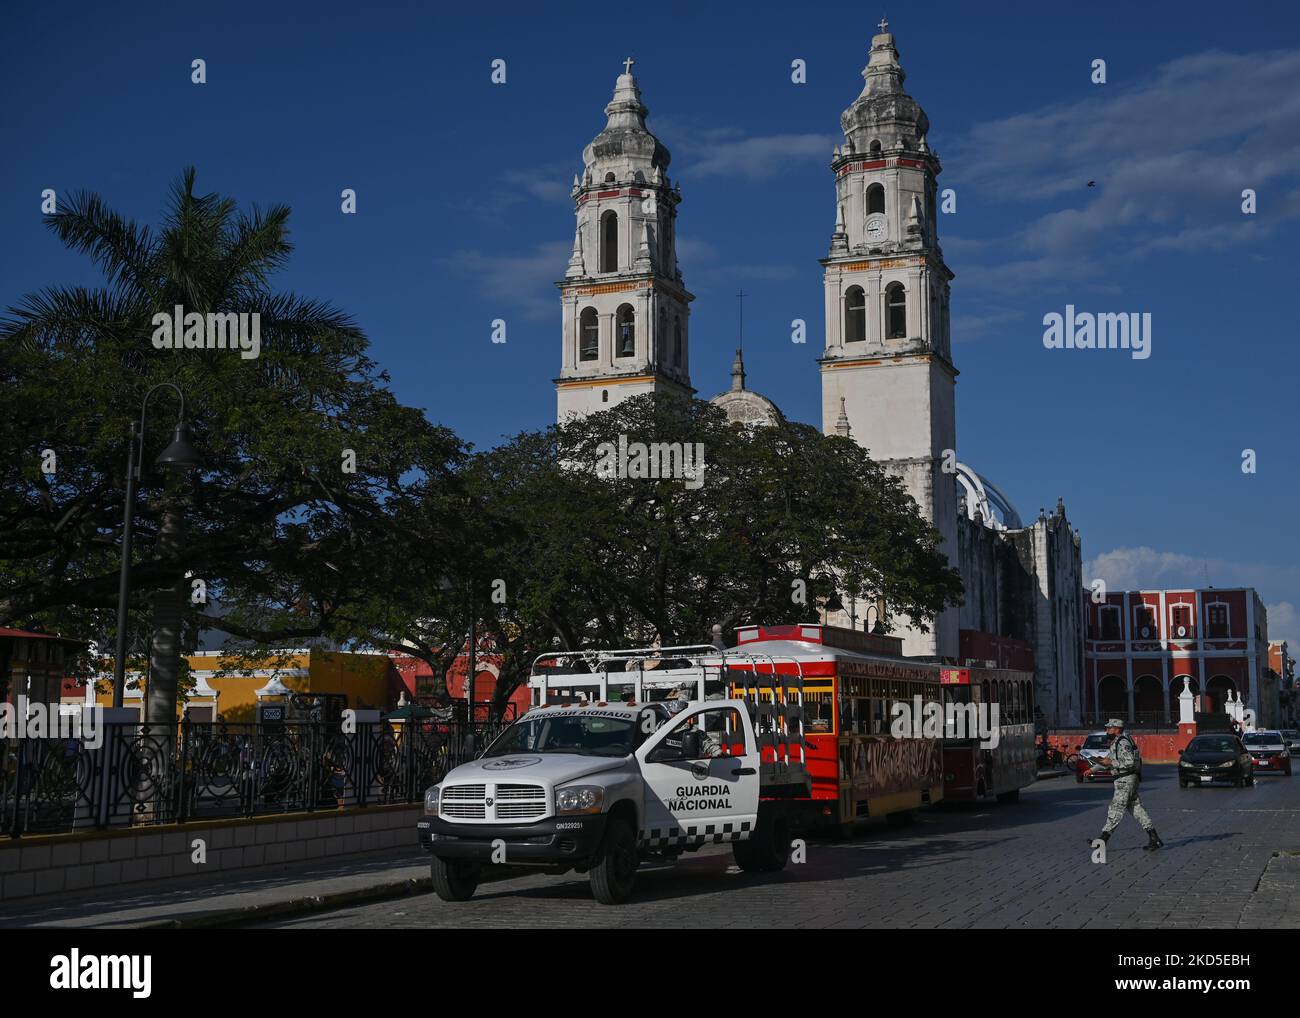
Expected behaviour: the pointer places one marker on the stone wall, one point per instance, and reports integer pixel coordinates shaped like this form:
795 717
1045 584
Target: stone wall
99 860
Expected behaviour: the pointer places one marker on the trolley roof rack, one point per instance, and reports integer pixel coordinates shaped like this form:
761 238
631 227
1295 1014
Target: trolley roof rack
778 719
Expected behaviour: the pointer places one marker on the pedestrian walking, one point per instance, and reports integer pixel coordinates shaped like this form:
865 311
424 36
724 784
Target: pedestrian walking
1125 762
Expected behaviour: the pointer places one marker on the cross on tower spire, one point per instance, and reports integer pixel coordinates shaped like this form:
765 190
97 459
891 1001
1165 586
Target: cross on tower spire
627 65
740 337
884 25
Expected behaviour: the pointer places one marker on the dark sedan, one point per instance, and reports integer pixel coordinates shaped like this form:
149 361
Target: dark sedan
1210 758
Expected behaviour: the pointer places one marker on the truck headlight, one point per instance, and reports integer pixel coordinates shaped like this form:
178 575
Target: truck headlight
579 799
431 801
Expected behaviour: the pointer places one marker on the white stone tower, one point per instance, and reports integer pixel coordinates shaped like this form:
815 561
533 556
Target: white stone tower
626 311
887 362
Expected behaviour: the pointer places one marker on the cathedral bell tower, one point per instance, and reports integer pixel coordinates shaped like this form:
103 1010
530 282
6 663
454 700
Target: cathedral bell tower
625 324
887 365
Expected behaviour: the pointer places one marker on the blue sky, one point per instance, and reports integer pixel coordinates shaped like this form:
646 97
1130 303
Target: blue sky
464 215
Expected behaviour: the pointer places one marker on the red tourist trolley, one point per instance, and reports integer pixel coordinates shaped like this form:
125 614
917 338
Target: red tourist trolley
850 681
971 772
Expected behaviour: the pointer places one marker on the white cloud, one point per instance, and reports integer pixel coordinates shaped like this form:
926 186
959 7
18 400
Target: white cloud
548 184
727 151
1170 157
522 281
1145 568
1284 624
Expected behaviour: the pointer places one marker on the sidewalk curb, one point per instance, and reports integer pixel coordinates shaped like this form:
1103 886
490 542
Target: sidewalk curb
292 906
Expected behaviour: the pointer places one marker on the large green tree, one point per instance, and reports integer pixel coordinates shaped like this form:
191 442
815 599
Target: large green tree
781 515
308 459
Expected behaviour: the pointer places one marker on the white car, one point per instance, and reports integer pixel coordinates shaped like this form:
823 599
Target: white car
1268 751
1095 746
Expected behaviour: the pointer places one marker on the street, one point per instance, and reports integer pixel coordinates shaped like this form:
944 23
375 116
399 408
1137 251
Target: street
1018 865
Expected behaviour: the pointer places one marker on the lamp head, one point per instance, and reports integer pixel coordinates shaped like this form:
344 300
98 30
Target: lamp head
180 456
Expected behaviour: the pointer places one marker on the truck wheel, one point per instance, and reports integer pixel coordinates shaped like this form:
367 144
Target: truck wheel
613 872
768 849
454 879
1012 796
903 818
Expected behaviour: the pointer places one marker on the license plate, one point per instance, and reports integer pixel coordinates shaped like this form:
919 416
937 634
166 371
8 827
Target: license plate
1206 778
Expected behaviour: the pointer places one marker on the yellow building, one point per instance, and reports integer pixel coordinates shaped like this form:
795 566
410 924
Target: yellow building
230 685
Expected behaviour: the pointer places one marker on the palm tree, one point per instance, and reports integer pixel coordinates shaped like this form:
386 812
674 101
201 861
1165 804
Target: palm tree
207 257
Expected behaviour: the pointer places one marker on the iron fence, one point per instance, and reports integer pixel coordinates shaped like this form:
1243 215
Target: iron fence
158 774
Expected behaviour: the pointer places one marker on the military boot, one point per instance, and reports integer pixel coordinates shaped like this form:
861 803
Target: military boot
1153 841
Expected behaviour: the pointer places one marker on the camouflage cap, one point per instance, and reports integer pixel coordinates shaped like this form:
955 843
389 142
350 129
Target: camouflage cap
1114 723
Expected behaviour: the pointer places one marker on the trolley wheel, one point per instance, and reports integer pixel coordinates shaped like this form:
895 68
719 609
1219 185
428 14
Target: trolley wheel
454 879
613 873
903 818
1012 796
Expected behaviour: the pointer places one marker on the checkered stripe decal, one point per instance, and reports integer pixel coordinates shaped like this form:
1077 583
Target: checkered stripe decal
676 837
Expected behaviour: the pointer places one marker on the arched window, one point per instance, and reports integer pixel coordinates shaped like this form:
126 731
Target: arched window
626 345
588 335
855 315
609 242
609 178
875 198
896 311
604 395
677 342
874 148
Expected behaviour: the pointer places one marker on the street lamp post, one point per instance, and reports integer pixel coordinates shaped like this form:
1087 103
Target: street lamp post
180 456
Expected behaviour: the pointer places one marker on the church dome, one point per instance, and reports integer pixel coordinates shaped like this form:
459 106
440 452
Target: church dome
744 406
981 496
626 146
884 115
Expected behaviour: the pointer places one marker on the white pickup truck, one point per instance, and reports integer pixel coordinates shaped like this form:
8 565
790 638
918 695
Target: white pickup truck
598 786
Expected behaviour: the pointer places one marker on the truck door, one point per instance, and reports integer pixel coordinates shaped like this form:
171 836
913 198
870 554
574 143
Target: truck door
701 778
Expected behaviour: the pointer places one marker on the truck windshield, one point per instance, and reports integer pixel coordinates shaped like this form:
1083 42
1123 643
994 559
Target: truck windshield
582 734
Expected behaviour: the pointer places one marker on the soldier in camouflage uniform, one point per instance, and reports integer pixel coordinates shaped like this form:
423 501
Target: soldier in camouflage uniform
1126 763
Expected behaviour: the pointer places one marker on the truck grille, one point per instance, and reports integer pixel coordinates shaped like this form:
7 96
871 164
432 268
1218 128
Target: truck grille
464 810
505 792
519 810
509 801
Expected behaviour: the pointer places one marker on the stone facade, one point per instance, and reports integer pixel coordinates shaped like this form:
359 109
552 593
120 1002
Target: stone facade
887 363
626 311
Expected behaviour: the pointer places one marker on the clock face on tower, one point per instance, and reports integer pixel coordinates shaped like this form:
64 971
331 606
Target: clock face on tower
876 227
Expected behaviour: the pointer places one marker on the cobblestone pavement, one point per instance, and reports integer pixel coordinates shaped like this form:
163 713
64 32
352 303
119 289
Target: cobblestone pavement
1017 865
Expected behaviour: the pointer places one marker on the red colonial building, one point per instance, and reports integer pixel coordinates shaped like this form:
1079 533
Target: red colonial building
1140 644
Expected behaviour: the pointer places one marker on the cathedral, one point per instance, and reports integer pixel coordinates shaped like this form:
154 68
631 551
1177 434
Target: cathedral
888 377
